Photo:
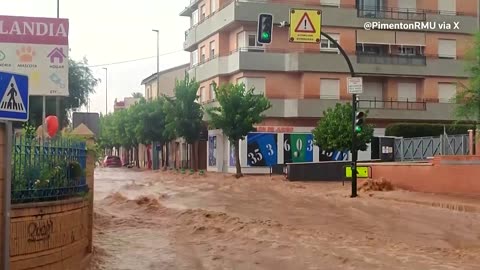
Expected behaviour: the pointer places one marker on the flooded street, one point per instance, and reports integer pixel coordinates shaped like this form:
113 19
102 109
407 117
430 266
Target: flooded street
168 220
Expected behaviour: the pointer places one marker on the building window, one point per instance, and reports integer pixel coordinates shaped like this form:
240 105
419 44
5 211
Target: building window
330 89
203 14
371 8
203 97
212 92
212 49
194 18
333 3
407 50
252 40
202 54
258 84
213 6
407 92
447 92
194 57
240 40
447 7
447 48
327 45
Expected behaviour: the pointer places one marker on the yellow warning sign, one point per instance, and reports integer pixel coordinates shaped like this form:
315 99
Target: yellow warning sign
362 172
305 25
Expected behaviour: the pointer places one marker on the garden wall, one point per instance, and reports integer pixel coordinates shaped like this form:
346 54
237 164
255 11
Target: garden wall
50 235
443 174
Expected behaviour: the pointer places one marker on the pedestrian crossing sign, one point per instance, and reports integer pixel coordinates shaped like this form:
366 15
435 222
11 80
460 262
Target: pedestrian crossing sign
14 97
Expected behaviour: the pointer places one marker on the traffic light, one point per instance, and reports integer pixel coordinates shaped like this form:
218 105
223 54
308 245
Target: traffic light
359 121
265 28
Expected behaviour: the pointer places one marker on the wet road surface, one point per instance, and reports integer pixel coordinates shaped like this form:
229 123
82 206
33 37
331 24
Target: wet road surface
168 220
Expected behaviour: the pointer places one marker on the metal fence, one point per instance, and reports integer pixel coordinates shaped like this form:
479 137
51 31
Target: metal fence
422 148
48 171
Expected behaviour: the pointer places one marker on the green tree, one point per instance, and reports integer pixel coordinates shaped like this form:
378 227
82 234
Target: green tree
137 95
81 84
468 99
239 110
185 114
334 130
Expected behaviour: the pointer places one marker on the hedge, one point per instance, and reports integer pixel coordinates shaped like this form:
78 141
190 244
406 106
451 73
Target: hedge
410 130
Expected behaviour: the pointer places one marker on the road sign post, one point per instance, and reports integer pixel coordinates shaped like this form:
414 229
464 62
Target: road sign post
14 105
305 25
355 85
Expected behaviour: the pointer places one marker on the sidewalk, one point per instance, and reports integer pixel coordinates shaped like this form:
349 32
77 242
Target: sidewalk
451 202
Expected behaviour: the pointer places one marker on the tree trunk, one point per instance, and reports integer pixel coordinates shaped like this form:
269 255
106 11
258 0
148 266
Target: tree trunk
188 160
138 157
195 156
167 154
237 160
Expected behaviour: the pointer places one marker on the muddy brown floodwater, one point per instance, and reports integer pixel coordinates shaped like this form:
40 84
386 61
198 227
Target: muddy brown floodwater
166 220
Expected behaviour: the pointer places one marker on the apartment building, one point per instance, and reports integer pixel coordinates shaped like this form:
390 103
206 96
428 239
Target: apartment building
167 81
178 149
407 75
126 103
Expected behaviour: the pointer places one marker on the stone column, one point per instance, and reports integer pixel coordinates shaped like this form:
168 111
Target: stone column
86 133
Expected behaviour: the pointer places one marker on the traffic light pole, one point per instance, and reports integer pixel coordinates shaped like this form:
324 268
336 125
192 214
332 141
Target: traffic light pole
354 106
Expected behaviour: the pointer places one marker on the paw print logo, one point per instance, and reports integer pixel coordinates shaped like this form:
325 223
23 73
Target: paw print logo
25 54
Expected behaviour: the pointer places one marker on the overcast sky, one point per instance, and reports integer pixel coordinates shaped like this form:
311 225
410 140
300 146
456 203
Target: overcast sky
109 31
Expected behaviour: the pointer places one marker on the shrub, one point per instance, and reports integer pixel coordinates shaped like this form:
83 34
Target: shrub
410 130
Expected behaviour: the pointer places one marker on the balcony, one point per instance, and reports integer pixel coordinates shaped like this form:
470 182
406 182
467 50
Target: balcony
373 103
302 60
394 109
387 59
392 13
190 8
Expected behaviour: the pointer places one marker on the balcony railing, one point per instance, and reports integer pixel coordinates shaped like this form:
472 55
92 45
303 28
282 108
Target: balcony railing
392 13
373 103
388 59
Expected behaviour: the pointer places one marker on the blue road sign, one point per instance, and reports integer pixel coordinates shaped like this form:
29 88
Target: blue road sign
14 97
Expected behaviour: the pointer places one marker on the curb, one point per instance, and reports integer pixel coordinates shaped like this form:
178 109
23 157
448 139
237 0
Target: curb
458 207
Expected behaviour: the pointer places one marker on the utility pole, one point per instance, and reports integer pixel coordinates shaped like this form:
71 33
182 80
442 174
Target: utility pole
158 61
106 90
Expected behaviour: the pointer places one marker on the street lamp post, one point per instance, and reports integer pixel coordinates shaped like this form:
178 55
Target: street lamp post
156 159
158 61
106 90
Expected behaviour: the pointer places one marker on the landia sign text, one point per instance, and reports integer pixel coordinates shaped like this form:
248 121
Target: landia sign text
37 47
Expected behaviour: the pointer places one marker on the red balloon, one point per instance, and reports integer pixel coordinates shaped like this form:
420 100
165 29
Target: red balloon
52 125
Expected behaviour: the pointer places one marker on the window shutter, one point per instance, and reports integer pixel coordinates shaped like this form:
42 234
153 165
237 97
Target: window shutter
330 89
447 48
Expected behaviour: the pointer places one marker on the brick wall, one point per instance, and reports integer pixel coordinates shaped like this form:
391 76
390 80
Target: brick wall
445 174
50 235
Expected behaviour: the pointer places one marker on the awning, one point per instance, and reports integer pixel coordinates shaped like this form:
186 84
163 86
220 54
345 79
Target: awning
410 38
376 37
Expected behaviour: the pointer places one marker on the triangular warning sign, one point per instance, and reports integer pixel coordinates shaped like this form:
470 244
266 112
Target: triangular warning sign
12 101
305 25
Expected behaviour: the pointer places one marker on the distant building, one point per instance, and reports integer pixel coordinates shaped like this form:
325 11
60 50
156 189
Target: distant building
125 104
167 81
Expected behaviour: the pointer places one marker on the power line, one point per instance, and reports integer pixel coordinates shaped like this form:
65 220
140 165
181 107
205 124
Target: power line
134 60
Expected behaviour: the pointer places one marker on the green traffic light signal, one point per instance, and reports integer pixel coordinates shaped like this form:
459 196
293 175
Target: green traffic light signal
265 35
358 129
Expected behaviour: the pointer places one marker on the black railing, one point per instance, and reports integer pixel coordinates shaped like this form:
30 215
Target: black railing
373 103
390 59
392 13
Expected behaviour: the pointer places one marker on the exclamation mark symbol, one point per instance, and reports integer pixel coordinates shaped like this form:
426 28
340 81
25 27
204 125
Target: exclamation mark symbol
305 24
